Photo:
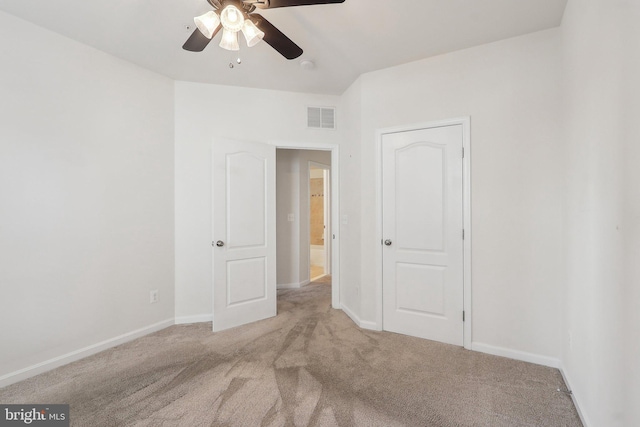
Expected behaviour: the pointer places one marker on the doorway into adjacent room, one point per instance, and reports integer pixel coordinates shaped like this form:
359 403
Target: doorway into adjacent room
306 206
319 221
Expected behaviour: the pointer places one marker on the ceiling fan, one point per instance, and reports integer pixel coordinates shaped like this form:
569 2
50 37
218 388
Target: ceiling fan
233 16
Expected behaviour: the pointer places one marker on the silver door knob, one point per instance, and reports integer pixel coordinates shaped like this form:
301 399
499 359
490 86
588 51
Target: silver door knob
387 242
219 243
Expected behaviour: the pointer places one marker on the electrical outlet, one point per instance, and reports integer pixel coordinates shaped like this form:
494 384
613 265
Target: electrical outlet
153 296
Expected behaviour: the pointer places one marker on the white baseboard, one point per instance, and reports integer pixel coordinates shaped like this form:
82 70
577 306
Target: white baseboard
47 365
295 285
198 318
575 399
351 314
516 354
364 324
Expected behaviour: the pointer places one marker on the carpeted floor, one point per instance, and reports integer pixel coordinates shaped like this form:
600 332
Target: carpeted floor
309 366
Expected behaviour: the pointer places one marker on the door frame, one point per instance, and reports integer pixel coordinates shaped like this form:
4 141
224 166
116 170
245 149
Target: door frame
326 174
466 202
335 207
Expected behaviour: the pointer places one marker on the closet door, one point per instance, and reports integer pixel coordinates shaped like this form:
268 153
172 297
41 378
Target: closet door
422 196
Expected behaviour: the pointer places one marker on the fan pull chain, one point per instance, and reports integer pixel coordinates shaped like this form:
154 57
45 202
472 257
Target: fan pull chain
233 63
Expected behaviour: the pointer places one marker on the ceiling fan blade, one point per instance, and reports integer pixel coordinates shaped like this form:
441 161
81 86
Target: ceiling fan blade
270 4
275 38
198 41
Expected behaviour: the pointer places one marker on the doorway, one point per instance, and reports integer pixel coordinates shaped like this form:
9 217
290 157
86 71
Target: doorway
293 205
319 221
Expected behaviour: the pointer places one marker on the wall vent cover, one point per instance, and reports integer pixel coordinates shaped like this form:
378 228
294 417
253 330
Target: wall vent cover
321 117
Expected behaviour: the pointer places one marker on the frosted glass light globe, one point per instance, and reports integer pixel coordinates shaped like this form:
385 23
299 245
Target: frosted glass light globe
207 23
251 33
232 18
229 40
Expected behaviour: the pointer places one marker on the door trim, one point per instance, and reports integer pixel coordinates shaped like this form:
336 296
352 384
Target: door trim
335 207
465 122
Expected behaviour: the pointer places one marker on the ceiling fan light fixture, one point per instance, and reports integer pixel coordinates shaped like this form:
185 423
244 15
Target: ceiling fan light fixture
232 18
233 15
207 23
229 40
252 34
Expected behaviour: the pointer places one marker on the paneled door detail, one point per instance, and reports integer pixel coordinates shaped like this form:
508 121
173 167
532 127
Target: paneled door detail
244 257
422 192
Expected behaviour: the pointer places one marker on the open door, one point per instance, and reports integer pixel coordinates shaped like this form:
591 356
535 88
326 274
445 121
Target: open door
244 233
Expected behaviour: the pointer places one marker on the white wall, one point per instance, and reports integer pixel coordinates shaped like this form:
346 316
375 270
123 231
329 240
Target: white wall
288 202
511 91
292 192
349 226
601 344
203 112
86 196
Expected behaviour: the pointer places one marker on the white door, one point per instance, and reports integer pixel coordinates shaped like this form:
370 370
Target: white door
422 233
244 227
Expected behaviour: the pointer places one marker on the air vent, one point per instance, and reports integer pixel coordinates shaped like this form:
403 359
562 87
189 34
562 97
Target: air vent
321 117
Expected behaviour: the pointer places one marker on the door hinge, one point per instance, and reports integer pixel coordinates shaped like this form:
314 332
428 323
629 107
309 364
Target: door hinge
463 152
463 234
463 316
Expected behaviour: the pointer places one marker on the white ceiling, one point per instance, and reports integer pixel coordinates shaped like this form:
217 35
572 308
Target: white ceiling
344 40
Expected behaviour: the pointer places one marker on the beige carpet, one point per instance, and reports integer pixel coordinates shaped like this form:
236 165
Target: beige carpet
309 366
